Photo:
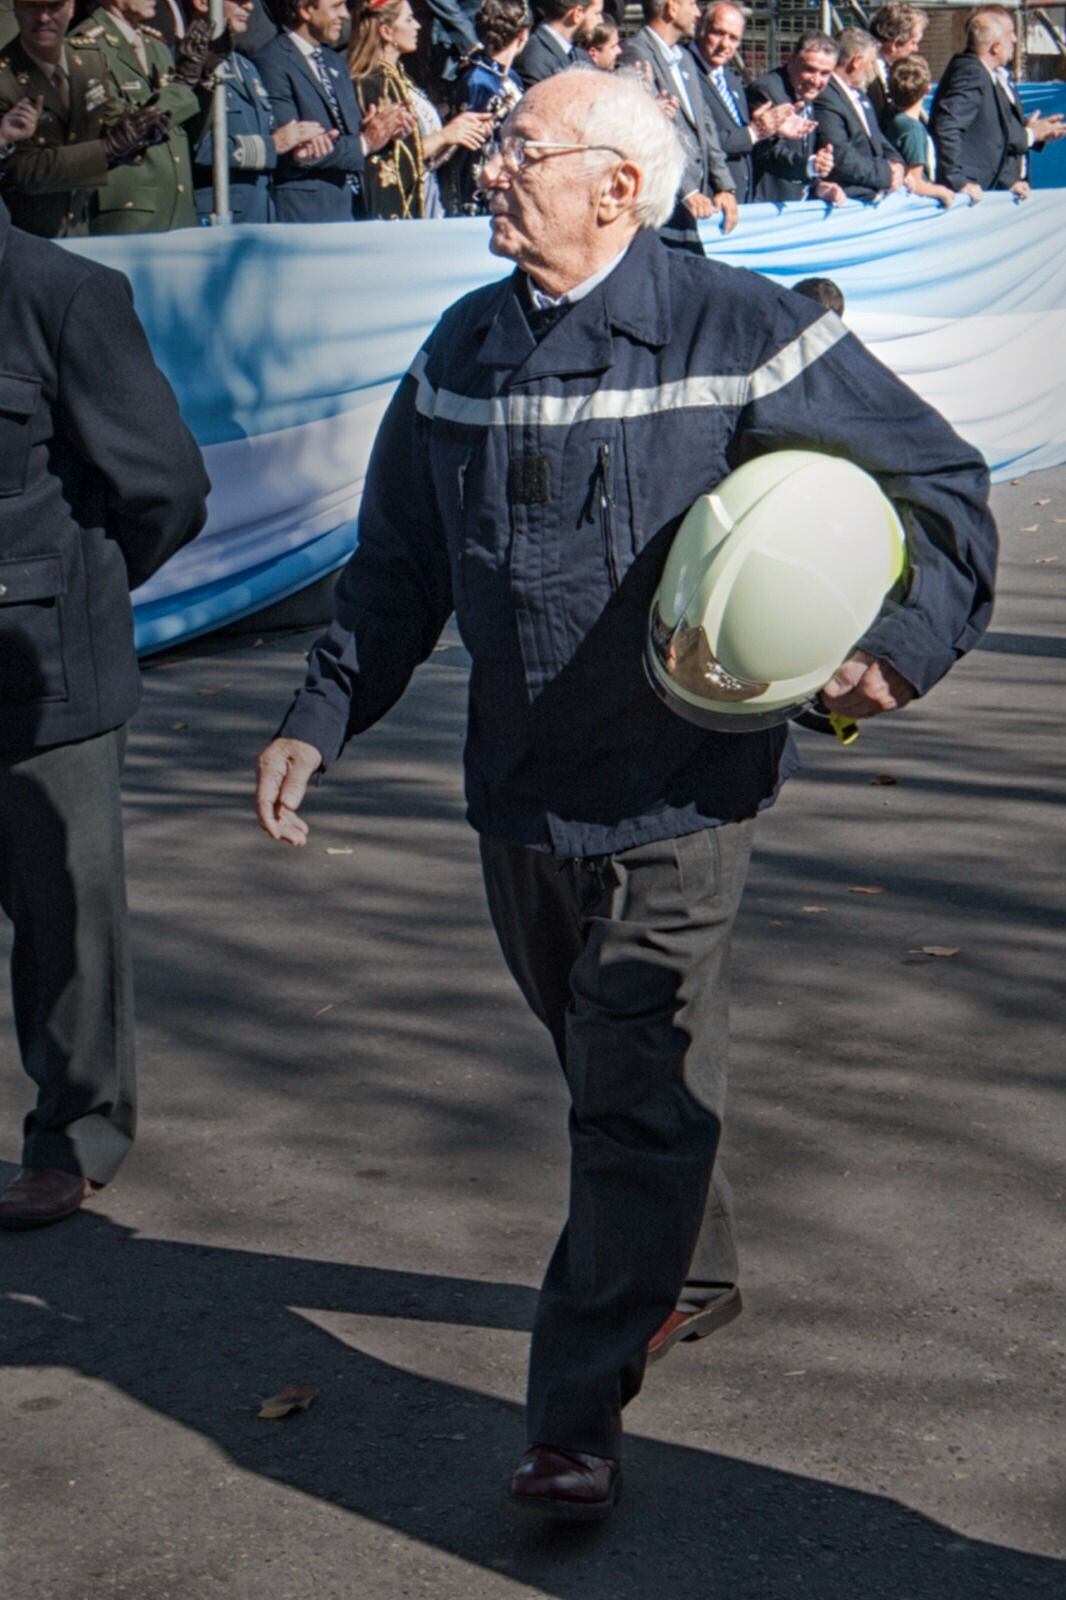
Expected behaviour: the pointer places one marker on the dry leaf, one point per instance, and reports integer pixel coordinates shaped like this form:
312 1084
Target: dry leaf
1060 519
1041 502
813 909
883 780
775 923
1014 482
935 950
339 850
178 727
286 1402
1033 528
867 888
323 1009
1046 561
203 693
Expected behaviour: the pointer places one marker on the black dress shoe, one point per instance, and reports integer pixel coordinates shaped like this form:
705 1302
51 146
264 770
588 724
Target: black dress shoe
681 1326
566 1485
37 1196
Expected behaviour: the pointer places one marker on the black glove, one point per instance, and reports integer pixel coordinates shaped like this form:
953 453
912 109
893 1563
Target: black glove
191 53
134 132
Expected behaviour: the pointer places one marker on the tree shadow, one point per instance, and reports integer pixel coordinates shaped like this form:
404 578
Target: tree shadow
193 1332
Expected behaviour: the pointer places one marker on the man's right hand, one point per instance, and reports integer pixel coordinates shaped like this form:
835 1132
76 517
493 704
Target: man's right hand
823 161
20 121
974 191
285 768
133 133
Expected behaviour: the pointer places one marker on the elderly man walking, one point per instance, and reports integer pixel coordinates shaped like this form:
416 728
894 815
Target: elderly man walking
530 474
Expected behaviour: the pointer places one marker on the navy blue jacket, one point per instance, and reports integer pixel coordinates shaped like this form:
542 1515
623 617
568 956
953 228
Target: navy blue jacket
978 130
781 165
250 124
319 192
100 481
545 55
861 159
535 488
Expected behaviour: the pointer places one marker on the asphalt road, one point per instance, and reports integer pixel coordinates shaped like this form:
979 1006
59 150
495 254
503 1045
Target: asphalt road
352 1166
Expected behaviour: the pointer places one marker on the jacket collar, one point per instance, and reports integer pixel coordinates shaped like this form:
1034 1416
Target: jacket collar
301 61
118 41
634 299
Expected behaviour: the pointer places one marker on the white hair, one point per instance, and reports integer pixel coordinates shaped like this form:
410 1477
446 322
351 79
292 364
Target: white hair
624 113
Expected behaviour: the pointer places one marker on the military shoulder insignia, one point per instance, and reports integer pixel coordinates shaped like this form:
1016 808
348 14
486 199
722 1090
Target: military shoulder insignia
92 32
153 33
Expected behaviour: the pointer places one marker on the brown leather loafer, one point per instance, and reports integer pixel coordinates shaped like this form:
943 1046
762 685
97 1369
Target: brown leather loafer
681 1326
37 1196
566 1485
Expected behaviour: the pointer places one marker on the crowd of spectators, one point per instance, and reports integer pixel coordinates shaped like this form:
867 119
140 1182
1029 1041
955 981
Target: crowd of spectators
388 108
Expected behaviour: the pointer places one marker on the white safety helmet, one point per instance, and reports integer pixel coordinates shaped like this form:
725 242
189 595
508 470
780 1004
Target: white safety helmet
769 584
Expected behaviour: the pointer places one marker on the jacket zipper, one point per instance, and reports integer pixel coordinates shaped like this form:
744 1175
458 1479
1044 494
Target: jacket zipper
606 513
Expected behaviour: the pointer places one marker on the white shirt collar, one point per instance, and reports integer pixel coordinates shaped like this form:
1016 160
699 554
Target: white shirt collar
304 46
566 44
671 53
543 301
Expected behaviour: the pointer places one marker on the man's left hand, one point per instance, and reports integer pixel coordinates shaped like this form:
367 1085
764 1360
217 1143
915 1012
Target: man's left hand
1020 190
698 205
725 201
865 686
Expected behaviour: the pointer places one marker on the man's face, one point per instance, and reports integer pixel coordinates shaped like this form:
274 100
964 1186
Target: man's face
42 29
588 18
134 11
552 199
325 20
809 73
861 69
721 35
686 17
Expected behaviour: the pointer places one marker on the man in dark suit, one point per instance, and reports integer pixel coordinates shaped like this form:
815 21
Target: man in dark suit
898 29
100 481
308 81
706 183
982 139
553 46
718 38
865 164
787 166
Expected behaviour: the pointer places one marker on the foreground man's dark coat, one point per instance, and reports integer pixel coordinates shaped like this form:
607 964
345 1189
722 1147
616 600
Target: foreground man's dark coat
100 481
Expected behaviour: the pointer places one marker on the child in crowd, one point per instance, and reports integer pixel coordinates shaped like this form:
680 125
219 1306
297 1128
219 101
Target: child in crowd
908 84
604 45
823 291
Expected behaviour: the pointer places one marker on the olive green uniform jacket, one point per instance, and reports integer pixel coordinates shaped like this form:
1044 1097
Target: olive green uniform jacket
51 178
152 193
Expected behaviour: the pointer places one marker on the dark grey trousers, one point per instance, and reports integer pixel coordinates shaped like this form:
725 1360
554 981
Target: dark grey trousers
63 885
625 959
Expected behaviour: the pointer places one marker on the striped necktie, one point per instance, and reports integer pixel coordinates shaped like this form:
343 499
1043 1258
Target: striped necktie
725 94
329 90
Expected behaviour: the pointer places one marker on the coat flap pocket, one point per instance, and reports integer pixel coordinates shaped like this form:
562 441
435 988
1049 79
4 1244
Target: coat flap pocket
32 578
18 395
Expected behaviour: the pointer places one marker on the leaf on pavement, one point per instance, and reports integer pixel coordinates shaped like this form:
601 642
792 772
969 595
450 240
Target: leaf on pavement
339 850
1046 561
1042 502
883 780
812 909
866 888
935 950
178 727
1034 527
286 1402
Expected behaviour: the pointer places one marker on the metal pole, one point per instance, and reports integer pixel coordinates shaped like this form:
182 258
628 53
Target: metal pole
222 214
827 17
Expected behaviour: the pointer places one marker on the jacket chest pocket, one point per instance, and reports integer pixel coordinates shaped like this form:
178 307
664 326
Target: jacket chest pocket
18 402
598 525
32 668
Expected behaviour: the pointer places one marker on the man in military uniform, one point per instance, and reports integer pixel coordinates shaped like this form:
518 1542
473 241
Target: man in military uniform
8 25
154 191
81 133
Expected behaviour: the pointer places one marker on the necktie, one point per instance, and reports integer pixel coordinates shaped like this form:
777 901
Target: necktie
140 51
726 95
61 86
330 92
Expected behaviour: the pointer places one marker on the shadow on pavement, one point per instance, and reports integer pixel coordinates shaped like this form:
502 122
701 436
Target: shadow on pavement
189 1331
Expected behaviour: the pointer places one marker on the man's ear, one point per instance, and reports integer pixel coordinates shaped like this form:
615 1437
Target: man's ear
620 193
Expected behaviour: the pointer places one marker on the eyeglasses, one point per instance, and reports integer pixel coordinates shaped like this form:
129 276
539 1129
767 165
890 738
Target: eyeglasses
514 151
